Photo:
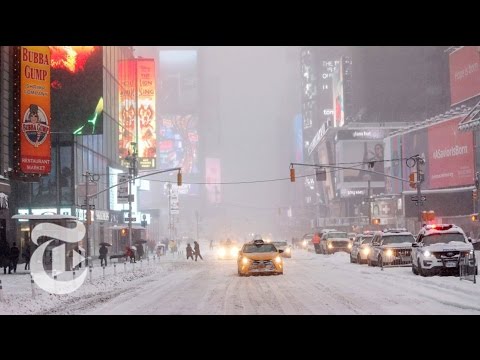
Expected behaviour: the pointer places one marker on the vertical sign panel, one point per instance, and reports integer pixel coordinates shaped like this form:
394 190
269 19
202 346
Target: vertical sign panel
147 148
35 144
127 104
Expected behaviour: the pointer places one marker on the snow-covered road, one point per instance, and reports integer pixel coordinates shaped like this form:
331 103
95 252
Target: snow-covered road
312 284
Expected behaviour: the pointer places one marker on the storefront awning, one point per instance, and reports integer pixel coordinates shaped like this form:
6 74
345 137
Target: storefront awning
472 120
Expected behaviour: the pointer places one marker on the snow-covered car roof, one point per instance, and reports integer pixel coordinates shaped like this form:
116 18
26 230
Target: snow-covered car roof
442 229
394 233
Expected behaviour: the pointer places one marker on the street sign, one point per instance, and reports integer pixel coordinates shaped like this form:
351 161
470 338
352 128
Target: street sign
130 219
84 207
418 203
369 200
415 198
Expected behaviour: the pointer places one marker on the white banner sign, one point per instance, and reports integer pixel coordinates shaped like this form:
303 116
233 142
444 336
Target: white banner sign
122 190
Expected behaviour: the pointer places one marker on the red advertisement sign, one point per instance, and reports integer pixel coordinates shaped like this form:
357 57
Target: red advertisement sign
464 73
35 145
127 106
450 155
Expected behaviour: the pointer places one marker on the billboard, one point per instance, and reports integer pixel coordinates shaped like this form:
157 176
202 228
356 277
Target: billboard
464 73
356 153
416 143
178 143
450 155
35 117
147 139
127 106
298 143
212 178
393 168
77 89
338 100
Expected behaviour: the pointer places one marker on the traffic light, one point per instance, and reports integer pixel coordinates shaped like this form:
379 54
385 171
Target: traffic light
474 194
376 221
179 179
428 215
475 217
123 232
292 174
412 179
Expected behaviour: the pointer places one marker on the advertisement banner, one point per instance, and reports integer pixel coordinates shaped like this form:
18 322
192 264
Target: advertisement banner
77 89
358 151
450 155
178 145
416 143
338 101
127 104
298 131
394 167
212 178
147 149
464 73
35 118
122 190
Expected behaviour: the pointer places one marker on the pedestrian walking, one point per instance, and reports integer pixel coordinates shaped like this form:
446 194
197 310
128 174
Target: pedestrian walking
14 255
197 250
189 251
103 255
27 255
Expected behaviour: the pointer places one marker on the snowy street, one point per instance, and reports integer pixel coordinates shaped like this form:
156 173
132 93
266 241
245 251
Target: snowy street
312 284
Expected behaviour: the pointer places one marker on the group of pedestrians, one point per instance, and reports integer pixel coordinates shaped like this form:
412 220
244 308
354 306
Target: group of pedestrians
195 251
9 257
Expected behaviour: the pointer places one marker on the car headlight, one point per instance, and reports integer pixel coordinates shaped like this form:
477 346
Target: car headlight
233 251
389 252
349 245
245 261
366 250
427 253
287 250
330 246
278 259
222 252
304 242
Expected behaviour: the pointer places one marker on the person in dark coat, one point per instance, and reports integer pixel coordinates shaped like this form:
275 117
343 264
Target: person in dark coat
4 256
140 251
27 255
189 251
103 255
14 254
197 251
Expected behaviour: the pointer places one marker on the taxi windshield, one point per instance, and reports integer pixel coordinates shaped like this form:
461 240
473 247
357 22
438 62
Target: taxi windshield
264 248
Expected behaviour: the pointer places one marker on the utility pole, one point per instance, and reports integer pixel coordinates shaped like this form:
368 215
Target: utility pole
419 161
131 175
89 177
196 216
170 224
369 205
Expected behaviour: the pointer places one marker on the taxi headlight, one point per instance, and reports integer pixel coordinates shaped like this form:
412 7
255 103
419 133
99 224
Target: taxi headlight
278 259
389 252
366 250
245 261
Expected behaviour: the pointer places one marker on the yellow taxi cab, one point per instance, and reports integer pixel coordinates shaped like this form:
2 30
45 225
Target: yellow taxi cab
259 257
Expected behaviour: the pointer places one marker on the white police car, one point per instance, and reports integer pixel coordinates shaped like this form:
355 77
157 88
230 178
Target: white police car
438 248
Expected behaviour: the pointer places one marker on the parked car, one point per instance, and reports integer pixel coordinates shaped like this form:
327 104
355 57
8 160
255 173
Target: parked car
391 247
439 248
361 247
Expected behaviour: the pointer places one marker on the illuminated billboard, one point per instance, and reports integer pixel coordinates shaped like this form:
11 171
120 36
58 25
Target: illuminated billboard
212 179
35 119
127 105
178 143
77 89
147 139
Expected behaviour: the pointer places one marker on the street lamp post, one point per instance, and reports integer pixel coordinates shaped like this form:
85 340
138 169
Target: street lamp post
132 173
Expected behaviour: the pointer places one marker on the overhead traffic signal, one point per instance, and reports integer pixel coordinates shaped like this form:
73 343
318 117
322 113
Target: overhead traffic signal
428 215
412 178
179 179
376 221
474 217
292 174
124 232
474 194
